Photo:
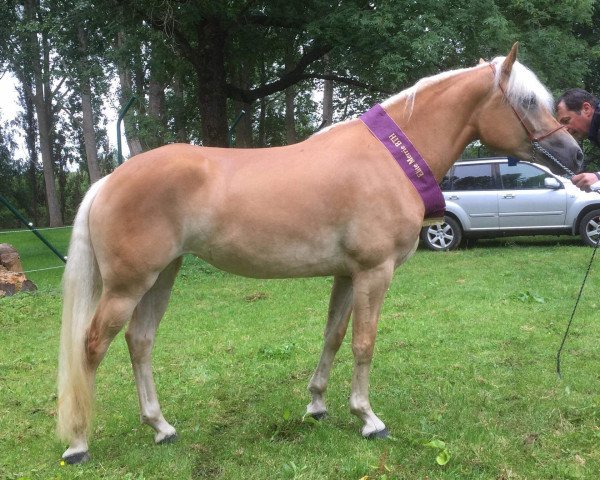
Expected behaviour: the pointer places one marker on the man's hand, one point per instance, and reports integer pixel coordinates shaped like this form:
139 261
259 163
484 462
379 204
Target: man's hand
584 180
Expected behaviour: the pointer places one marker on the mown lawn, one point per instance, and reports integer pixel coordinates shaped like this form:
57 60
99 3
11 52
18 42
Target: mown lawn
465 354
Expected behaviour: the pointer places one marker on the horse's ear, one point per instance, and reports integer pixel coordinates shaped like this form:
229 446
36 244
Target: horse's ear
510 60
481 60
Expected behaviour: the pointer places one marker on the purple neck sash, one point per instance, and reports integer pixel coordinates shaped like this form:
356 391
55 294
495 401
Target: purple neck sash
410 160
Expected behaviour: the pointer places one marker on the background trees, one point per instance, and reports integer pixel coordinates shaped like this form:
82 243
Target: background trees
290 66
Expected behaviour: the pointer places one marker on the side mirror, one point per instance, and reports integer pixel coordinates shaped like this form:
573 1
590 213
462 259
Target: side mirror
552 183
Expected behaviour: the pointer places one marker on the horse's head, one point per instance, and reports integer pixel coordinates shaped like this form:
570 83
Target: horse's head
517 119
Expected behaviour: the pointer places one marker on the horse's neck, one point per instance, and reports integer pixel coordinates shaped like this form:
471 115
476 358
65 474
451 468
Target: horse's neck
442 121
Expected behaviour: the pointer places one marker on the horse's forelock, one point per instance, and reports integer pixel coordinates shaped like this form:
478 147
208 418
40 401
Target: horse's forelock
522 85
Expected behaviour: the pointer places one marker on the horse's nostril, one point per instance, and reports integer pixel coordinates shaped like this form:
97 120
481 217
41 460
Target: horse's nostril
579 156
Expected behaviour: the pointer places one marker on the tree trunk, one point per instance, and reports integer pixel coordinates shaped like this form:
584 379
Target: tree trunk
62 178
290 116
243 129
181 134
42 100
156 99
262 117
137 143
88 127
134 144
29 125
327 98
33 185
156 112
328 103
89 135
290 92
212 98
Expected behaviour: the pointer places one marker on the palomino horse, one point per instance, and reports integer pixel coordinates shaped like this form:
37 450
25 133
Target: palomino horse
336 204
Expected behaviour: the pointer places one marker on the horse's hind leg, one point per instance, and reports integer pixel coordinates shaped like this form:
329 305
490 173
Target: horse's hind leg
115 308
340 307
140 340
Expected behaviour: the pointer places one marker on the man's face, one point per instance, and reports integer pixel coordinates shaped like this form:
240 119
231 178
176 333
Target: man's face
578 124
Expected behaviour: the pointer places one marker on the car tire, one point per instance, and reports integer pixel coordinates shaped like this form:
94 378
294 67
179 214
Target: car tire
589 228
447 236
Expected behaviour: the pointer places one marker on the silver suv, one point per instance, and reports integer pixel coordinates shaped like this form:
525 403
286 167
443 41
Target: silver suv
489 198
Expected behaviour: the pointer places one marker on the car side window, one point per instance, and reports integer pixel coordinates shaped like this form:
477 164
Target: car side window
522 176
446 183
473 177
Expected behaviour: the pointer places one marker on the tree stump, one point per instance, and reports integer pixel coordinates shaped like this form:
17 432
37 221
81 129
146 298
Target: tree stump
12 278
9 258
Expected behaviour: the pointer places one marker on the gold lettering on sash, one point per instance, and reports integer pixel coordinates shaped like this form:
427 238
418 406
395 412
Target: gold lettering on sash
397 142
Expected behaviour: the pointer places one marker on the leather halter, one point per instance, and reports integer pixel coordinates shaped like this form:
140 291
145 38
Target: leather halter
532 138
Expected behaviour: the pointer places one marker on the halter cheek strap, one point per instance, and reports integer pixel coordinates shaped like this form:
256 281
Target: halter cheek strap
535 141
530 135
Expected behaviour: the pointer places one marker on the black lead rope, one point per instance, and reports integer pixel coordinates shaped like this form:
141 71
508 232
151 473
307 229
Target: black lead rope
537 146
562 344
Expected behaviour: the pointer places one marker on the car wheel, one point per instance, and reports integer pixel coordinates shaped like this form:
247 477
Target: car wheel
589 229
446 236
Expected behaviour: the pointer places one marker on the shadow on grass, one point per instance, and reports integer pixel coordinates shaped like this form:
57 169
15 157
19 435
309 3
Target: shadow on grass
498 243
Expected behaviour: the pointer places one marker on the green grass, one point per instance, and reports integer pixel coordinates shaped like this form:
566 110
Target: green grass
465 354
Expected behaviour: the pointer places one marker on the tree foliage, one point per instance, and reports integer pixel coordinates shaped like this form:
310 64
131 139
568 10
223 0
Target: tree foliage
194 66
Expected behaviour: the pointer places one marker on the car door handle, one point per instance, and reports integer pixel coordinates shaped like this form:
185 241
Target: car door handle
453 197
508 195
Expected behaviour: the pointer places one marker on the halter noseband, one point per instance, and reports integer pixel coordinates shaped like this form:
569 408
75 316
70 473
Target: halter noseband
535 141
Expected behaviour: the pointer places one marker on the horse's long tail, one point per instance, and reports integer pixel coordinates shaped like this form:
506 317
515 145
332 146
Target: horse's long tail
81 289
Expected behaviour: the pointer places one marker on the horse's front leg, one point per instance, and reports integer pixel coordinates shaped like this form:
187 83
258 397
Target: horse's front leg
369 291
340 306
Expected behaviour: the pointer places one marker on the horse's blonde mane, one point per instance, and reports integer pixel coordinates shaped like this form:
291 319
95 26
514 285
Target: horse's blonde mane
411 93
524 90
523 87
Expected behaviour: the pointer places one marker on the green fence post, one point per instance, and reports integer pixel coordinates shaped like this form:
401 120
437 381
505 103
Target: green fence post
30 226
232 127
121 115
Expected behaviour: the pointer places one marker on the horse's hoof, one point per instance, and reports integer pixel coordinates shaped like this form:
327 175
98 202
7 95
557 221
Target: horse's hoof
319 415
76 458
168 439
380 434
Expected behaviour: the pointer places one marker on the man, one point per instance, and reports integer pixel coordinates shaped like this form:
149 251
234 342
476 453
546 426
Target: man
579 111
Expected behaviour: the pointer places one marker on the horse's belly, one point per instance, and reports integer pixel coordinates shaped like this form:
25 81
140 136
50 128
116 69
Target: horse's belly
275 257
281 236
287 251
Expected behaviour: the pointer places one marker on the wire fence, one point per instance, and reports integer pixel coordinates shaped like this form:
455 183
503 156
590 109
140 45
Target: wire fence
22 230
35 256
42 269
